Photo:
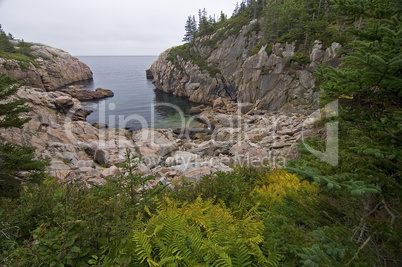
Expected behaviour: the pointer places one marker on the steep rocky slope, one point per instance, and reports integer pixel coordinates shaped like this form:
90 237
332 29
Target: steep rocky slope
240 67
52 68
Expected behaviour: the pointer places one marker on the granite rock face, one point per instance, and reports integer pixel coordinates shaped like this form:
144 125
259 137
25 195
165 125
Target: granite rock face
53 68
272 76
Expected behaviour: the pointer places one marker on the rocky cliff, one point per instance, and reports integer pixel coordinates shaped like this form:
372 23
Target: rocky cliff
242 68
52 68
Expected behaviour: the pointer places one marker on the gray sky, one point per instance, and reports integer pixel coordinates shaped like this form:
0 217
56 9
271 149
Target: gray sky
105 27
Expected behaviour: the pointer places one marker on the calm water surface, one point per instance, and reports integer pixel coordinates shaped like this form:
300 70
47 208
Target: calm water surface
136 103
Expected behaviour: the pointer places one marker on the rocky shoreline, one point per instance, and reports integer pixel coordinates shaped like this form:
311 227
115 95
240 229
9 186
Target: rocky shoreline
225 138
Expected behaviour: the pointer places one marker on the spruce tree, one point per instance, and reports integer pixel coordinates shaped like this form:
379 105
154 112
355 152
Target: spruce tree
222 17
10 110
191 29
368 87
17 163
5 44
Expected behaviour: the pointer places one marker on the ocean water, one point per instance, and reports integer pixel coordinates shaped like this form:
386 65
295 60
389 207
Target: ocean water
136 103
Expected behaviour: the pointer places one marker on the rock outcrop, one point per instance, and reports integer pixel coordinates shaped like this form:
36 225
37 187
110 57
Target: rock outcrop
88 95
51 69
75 149
273 75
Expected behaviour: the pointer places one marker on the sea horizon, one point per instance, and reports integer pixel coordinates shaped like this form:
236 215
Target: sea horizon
115 56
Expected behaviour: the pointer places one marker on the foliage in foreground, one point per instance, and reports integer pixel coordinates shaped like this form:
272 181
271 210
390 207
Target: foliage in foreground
369 171
276 219
17 163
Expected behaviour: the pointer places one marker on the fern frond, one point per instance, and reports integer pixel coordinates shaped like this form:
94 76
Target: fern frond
241 255
168 261
224 260
143 247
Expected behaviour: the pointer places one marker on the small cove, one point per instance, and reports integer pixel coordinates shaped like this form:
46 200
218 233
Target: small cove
136 103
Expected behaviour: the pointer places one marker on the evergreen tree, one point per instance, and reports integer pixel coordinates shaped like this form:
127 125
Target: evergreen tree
298 20
205 24
368 86
222 17
9 111
236 10
5 44
191 29
17 164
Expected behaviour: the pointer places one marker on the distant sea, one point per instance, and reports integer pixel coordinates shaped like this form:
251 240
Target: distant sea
136 103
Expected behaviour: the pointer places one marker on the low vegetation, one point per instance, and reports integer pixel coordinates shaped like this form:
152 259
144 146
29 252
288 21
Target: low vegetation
22 53
179 55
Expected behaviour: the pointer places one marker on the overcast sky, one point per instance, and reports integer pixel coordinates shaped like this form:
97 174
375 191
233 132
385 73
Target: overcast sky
105 27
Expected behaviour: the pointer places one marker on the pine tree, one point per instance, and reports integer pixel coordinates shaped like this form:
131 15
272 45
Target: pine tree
17 163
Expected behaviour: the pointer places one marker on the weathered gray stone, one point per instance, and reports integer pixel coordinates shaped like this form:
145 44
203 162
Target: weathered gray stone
58 165
110 172
144 169
195 110
170 161
101 157
279 144
88 95
154 142
183 157
245 107
317 54
85 163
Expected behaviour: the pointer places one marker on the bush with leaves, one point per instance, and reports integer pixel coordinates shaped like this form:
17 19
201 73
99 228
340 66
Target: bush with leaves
67 223
231 188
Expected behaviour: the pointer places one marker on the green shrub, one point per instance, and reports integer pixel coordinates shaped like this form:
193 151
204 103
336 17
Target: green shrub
230 188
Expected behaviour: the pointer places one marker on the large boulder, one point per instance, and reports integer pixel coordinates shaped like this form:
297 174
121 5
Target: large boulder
110 172
101 157
153 145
